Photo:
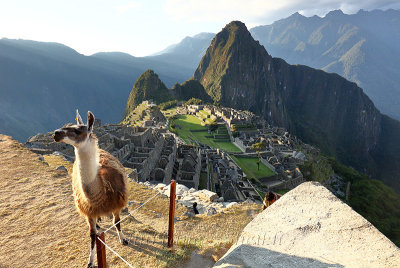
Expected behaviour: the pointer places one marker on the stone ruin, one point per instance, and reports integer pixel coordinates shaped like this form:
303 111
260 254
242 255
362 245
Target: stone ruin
231 183
188 166
155 156
149 152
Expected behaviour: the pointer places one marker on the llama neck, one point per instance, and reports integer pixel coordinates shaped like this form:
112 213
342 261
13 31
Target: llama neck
87 160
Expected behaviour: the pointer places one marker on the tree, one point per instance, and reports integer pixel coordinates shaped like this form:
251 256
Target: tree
194 101
168 104
258 146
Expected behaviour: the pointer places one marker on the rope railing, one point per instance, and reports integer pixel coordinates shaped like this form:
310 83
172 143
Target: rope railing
100 237
180 238
130 213
113 251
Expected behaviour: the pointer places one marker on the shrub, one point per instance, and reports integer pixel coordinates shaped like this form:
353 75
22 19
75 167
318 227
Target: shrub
194 101
168 104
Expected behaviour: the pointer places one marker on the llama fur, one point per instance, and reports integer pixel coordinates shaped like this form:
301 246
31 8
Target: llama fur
98 179
107 193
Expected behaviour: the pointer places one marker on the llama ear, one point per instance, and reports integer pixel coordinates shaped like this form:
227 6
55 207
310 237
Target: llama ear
78 118
90 119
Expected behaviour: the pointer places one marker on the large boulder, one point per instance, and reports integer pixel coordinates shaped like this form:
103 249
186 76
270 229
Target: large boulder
210 211
310 227
160 186
62 168
180 190
185 203
188 198
231 204
207 195
192 190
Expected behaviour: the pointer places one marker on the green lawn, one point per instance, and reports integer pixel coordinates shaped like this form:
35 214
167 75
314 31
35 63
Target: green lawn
169 112
209 121
185 123
249 167
203 114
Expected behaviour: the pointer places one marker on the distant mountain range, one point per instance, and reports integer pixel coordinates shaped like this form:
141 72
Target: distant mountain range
187 53
363 48
41 84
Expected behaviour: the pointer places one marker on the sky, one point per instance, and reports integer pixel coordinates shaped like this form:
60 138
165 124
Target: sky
141 28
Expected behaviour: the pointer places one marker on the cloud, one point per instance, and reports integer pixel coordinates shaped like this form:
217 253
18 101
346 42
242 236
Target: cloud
222 10
256 12
127 6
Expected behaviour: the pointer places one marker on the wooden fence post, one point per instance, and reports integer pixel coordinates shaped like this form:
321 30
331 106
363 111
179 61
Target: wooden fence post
101 251
171 214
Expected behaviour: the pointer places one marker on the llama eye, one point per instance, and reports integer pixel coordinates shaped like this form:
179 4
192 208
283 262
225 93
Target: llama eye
77 132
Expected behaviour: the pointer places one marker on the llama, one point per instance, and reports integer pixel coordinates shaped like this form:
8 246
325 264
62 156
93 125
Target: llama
98 178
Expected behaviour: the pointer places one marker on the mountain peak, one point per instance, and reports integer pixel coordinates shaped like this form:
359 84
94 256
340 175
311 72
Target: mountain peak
148 73
237 23
233 32
236 26
296 15
335 13
233 51
147 87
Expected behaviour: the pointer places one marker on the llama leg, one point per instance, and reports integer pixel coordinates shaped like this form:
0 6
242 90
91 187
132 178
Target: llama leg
97 222
92 228
121 236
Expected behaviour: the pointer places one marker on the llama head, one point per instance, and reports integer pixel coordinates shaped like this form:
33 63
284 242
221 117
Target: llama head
75 134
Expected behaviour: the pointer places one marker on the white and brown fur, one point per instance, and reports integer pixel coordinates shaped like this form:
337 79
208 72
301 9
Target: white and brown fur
98 178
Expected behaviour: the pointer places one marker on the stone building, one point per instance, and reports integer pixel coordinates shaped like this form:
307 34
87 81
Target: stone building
188 165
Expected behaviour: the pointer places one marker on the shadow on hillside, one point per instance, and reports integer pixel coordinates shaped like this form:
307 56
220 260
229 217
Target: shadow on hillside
253 256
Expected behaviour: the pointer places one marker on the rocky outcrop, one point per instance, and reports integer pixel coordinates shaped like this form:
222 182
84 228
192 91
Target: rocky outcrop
310 227
320 108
